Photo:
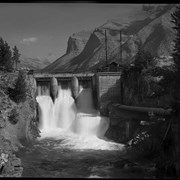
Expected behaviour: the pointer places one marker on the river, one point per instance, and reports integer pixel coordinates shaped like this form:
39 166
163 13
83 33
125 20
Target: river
44 159
72 142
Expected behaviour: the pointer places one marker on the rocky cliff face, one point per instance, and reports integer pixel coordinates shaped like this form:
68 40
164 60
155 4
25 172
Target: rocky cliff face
10 166
75 46
16 129
86 50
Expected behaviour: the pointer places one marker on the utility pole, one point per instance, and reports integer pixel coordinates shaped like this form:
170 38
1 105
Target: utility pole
120 48
106 47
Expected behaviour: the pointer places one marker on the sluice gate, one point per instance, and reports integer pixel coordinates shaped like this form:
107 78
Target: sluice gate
43 81
106 86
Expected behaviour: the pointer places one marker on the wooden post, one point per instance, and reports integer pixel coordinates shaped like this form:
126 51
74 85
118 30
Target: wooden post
127 129
121 83
120 48
121 89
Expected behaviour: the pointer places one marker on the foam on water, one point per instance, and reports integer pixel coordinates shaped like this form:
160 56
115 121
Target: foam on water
78 126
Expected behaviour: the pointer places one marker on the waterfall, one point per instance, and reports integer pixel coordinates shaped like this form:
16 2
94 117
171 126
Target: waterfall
59 114
88 120
79 124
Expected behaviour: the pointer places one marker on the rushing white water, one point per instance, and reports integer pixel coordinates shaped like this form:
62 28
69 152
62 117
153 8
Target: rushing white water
58 115
79 125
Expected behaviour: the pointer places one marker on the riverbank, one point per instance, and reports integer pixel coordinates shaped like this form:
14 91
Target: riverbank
17 127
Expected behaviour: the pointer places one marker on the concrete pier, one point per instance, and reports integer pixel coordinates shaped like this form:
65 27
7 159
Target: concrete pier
53 88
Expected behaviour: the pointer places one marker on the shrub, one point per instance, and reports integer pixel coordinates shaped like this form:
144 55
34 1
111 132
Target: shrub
13 116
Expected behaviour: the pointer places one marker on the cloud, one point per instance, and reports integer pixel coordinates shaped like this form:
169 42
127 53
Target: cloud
29 40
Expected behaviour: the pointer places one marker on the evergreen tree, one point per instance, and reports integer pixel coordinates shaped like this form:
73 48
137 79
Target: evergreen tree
176 53
143 59
2 53
20 87
16 56
19 92
8 58
6 62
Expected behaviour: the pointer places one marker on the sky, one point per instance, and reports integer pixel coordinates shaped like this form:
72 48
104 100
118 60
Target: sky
42 29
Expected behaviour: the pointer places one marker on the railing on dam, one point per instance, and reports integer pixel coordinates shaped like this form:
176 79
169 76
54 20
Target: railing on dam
63 76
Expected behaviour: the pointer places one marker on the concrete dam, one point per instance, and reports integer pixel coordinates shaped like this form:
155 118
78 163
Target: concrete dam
76 105
106 89
105 86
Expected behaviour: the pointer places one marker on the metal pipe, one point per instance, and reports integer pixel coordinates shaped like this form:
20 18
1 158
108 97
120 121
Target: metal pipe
120 48
141 109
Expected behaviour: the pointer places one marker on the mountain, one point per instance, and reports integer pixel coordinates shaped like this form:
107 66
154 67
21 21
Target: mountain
35 63
86 49
75 46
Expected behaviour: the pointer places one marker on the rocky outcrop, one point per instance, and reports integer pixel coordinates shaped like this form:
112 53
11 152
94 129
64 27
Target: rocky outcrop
86 51
75 46
77 41
10 165
18 126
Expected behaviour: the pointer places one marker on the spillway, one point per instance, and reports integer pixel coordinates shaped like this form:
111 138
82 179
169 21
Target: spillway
78 125
72 142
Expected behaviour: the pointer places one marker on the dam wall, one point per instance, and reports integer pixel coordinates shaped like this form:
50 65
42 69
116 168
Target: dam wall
106 86
107 97
108 89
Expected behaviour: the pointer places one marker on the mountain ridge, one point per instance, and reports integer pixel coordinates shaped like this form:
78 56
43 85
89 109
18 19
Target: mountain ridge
85 53
34 63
